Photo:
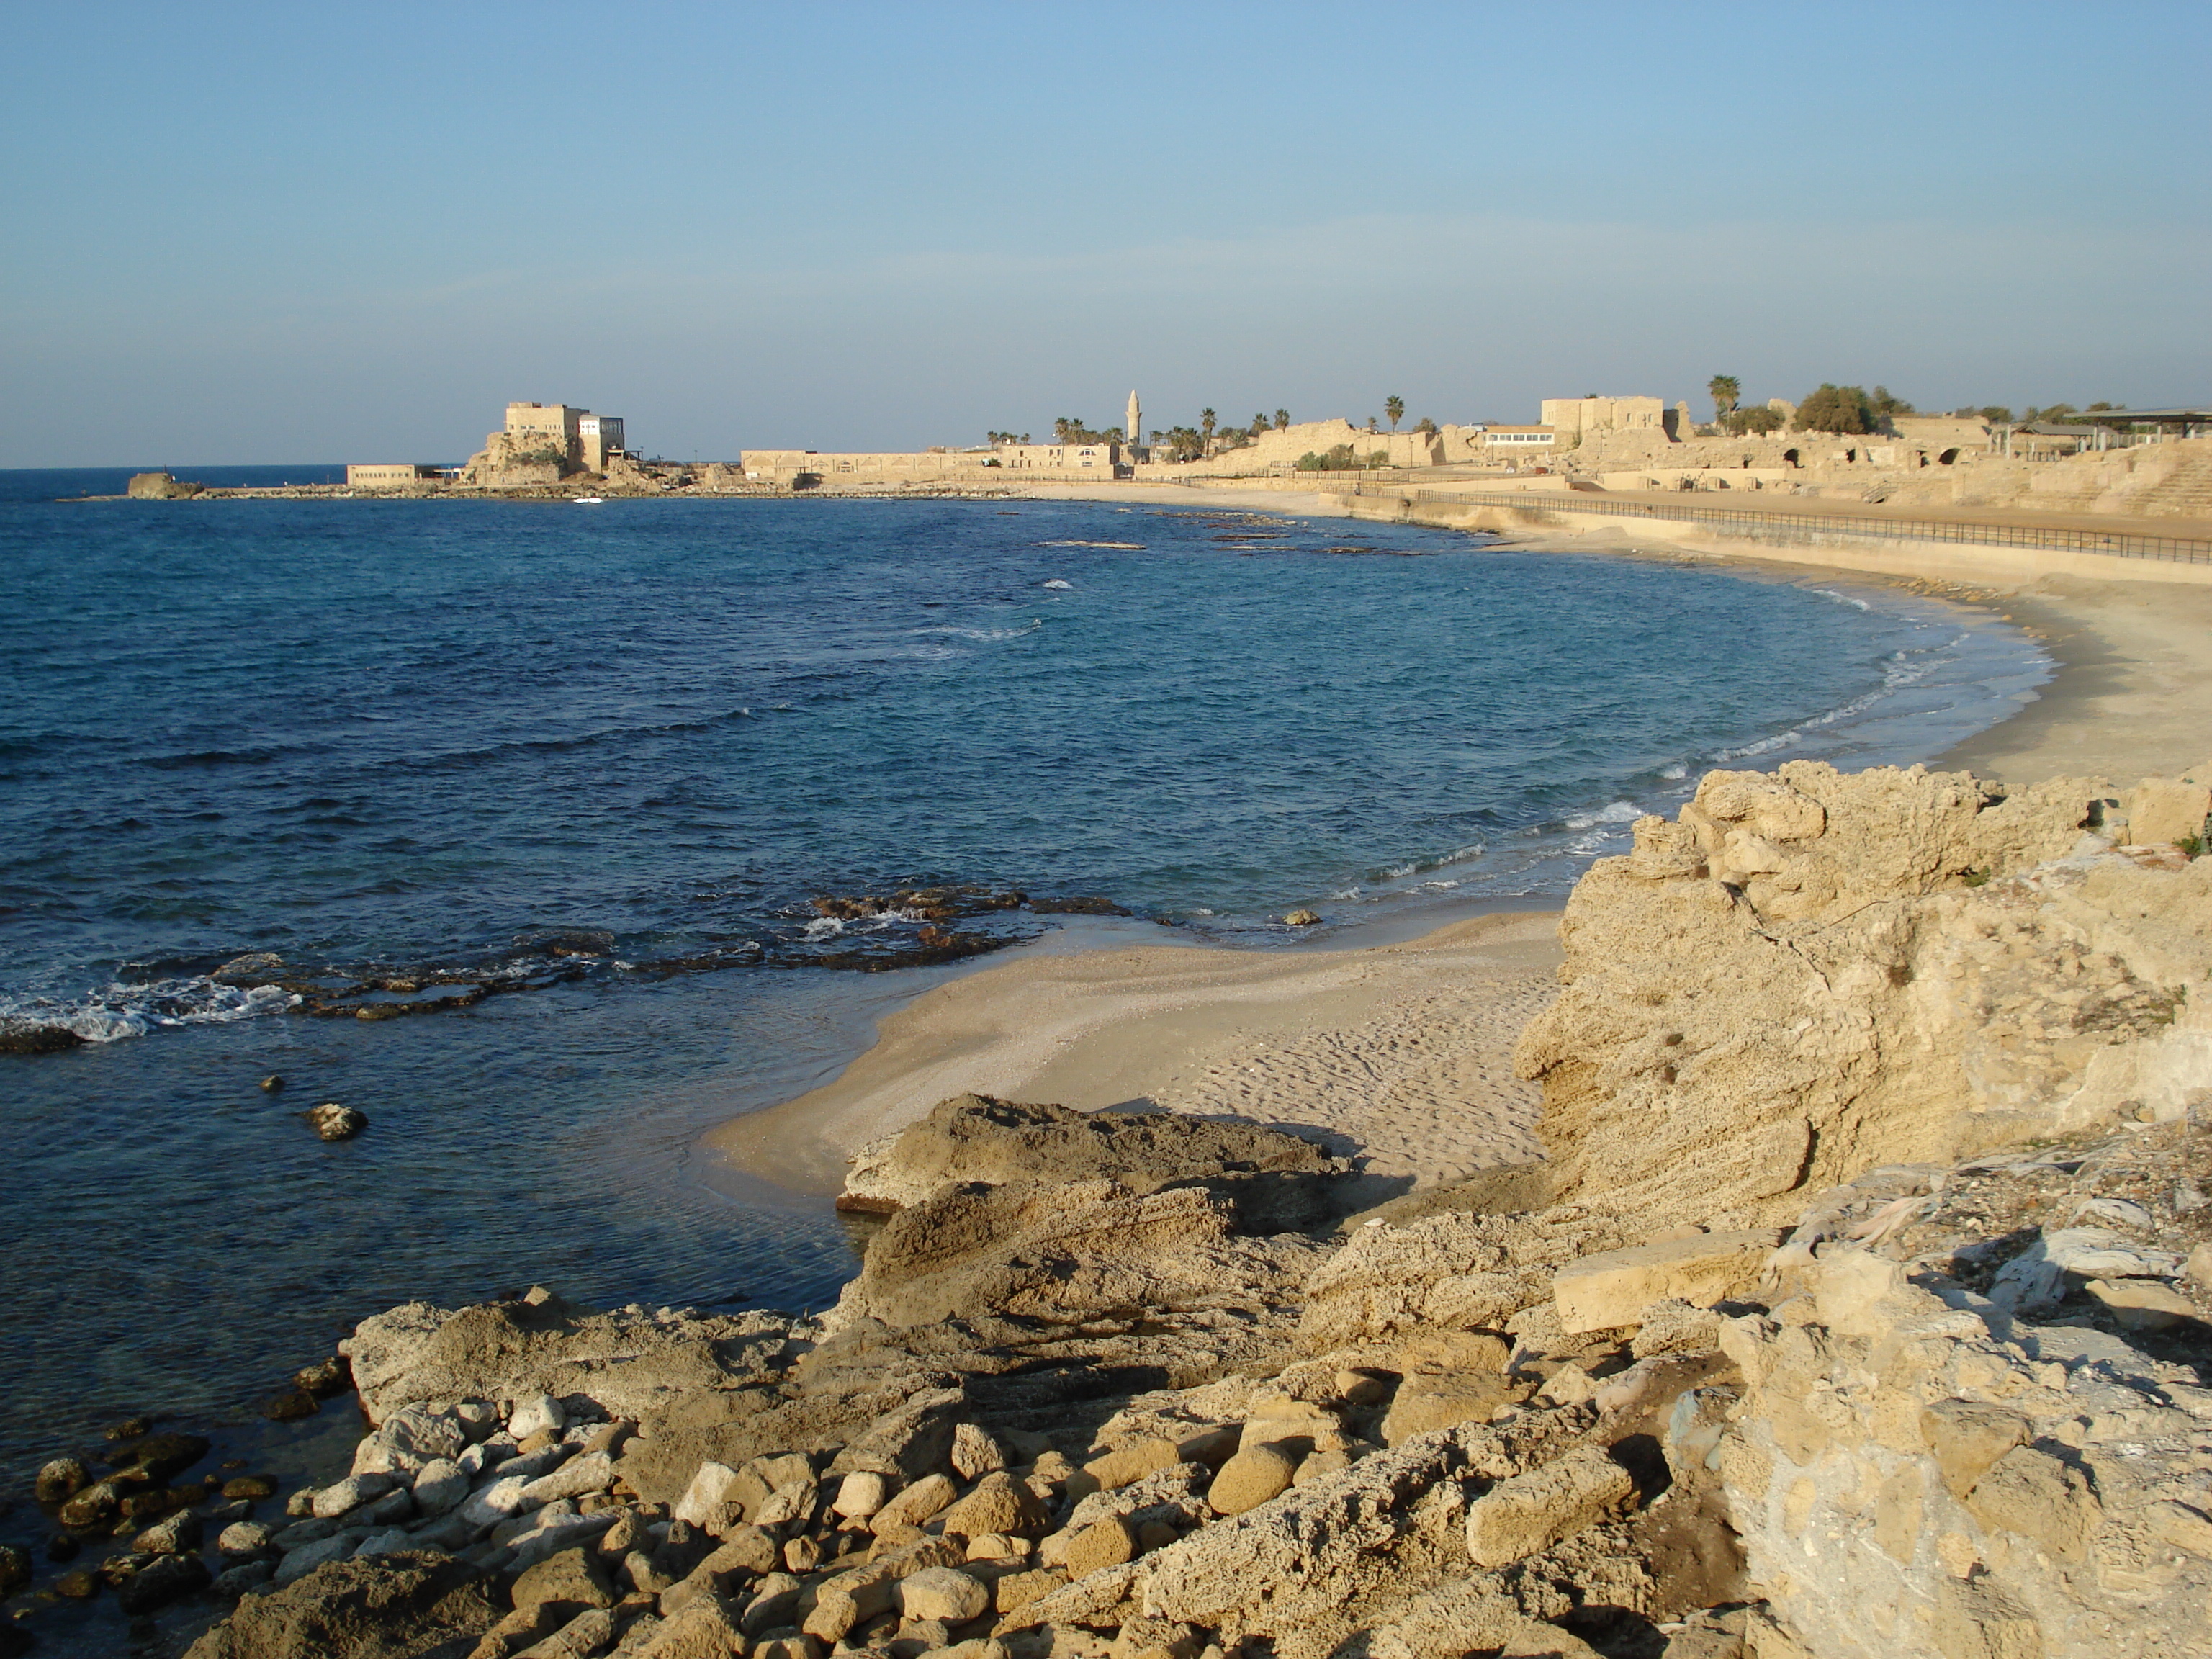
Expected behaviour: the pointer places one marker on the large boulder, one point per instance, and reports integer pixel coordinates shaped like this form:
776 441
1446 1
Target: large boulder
392 1606
1060 1255
975 1139
1811 974
630 1363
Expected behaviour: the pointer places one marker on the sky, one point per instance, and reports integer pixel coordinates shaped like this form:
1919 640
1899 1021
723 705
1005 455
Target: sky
309 232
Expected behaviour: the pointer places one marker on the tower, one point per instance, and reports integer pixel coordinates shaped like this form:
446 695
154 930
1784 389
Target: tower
1135 428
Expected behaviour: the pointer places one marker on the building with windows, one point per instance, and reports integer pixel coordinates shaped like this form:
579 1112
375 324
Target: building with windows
1512 437
390 475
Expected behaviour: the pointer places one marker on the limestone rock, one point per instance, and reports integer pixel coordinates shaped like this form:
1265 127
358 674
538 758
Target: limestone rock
1000 1503
975 1453
946 1593
2033 1494
1250 1479
630 1363
159 487
860 1494
1600 1292
974 1138
1105 1544
915 1504
572 1579
1423 1403
1751 1004
390 1608
2144 1304
702 1631
1452 1272
1530 1512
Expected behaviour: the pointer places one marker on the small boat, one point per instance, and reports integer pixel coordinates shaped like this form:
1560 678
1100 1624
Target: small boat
590 501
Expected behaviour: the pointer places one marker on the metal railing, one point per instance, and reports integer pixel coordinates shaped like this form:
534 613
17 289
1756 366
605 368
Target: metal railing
2118 543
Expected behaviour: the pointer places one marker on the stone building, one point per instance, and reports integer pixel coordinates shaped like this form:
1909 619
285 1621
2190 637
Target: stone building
1575 418
390 475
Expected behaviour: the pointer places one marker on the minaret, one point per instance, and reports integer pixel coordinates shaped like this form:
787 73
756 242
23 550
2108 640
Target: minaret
1136 426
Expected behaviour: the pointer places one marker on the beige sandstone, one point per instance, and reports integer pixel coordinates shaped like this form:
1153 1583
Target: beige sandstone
1600 1292
1532 1512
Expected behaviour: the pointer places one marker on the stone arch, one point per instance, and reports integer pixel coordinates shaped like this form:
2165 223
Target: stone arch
1949 457
1790 458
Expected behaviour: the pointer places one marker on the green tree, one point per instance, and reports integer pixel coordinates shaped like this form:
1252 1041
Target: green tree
1884 406
2050 412
1425 426
1394 407
1259 424
1724 390
1760 420
1994 414
1205 428
1282 420
1839 409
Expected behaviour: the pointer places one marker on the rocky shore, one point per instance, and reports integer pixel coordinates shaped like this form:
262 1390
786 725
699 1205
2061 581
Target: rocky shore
1862 1306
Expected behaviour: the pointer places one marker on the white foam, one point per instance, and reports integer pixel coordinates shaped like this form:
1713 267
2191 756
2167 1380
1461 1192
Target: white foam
1620 811
1060 586
119 1011
1675 772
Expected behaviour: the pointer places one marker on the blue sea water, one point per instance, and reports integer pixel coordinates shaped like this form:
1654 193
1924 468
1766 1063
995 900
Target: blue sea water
602 760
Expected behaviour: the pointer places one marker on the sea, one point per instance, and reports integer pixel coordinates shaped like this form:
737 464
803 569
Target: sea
638 816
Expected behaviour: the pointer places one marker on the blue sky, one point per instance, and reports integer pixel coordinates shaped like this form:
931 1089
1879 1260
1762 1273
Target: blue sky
314 232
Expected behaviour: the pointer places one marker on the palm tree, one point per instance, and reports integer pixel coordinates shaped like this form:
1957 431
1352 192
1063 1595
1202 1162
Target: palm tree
1259 424
1724 390
1206 427
1394 407
1282 420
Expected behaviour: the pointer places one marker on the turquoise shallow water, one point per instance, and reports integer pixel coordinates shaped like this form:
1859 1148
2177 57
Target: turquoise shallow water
612 755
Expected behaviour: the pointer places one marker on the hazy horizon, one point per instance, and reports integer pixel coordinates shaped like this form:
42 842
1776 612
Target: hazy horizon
245 234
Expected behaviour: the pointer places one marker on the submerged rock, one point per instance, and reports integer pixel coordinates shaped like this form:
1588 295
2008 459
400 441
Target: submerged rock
332 1122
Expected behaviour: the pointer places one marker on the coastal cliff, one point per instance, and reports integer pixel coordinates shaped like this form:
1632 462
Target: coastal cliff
1780 1352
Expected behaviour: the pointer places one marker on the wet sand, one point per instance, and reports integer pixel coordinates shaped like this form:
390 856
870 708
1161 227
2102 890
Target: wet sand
1400 1054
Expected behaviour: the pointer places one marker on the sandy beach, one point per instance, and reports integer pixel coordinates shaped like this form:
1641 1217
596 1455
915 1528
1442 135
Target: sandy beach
1400 1054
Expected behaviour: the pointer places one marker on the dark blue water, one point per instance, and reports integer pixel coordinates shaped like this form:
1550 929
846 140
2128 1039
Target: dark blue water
602 760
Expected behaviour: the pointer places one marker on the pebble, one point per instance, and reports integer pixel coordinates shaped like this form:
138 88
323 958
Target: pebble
79 1586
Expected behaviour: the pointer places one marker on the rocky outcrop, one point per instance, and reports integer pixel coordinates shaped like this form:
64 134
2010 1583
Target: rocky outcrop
1169 1405
511 460
1918 1475
161 486
396 1606
1811 973
973 1137
628 1364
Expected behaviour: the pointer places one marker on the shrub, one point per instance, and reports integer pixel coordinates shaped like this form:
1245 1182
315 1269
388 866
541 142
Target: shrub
1737 423
1839 409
